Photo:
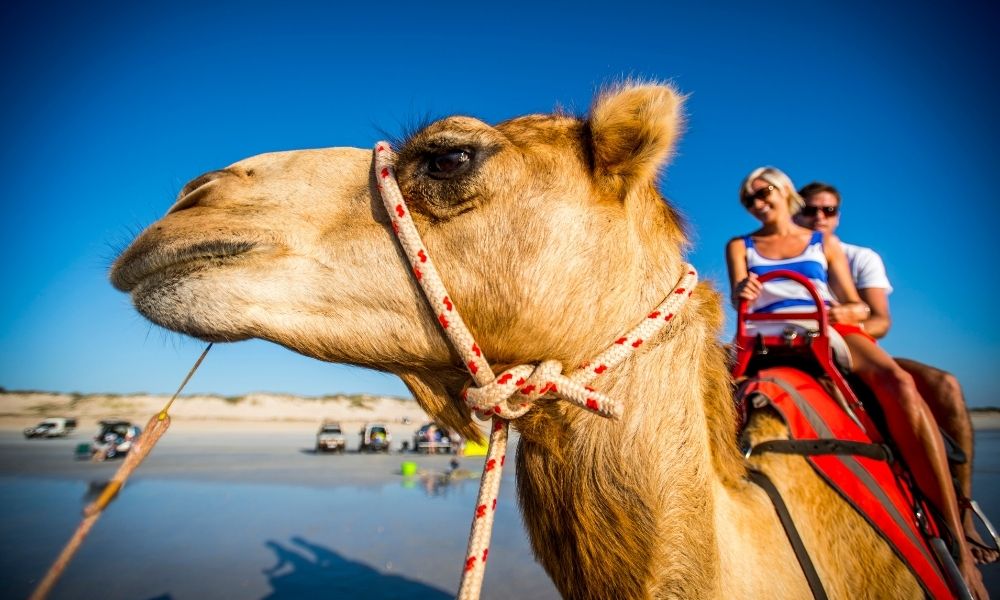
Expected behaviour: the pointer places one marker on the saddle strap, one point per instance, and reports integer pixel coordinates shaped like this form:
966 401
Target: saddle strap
812 577
824 446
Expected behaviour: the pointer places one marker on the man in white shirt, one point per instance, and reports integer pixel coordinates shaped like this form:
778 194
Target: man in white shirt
939 389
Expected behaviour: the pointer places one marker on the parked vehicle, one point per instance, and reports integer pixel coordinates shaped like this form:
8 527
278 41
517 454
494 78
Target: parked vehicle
431 438
375 437
114 439
49 428
330 438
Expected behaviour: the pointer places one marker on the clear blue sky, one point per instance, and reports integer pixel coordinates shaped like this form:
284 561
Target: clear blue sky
108 109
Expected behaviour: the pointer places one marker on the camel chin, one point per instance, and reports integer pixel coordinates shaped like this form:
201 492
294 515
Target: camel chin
218 298
180 302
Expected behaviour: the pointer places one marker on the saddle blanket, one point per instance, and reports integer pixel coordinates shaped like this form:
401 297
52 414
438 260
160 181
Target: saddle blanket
867 483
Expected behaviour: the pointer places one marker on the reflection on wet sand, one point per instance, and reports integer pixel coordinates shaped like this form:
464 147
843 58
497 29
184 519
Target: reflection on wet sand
94 489
440 483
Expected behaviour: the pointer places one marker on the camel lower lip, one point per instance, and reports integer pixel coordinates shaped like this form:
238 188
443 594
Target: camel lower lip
129 274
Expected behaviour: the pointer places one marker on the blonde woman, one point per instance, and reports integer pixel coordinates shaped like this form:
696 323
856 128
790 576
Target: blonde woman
770 197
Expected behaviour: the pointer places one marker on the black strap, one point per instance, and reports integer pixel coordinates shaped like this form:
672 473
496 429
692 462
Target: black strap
815 584
824 446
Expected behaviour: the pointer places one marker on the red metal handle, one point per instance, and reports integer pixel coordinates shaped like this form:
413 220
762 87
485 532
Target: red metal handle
819 315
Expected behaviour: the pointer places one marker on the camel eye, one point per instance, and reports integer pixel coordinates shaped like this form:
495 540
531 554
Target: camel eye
448 164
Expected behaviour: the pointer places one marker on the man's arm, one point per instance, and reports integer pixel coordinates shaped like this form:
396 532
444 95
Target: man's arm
874 288
878 322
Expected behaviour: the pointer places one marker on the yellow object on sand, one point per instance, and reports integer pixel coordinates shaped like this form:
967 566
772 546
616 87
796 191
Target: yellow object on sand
474 448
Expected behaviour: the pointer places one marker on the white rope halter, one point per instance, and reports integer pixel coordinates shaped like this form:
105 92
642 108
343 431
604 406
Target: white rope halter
512 394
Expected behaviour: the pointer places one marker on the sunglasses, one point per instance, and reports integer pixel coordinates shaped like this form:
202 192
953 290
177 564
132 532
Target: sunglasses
758 195
812 211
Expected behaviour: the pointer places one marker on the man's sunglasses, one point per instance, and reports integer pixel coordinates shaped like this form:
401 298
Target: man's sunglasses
812 211
758 195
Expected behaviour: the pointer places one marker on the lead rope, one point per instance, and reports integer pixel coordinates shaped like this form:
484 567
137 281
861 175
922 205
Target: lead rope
141 447
512 394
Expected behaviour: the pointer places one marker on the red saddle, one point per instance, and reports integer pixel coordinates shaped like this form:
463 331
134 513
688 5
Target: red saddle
837 438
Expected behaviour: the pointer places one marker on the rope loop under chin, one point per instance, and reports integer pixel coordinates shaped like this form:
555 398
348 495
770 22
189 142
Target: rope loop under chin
514 391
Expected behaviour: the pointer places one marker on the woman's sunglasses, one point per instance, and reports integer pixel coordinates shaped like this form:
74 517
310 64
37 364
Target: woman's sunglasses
758 195
812 211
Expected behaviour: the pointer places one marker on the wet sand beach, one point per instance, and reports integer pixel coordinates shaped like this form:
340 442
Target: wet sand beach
252 515
247 509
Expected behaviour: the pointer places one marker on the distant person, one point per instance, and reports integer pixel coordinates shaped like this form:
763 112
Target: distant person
939 389
770 197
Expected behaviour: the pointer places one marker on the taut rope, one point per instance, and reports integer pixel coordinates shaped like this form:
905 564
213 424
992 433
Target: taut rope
155 428
512 394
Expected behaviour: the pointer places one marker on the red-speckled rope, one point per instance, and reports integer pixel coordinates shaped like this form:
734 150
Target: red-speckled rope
510 395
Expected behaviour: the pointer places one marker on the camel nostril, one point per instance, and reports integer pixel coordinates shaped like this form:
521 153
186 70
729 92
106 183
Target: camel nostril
191 193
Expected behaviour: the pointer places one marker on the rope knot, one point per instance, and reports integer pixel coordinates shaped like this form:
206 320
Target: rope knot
513 393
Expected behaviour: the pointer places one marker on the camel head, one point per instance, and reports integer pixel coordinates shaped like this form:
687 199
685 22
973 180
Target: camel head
547 229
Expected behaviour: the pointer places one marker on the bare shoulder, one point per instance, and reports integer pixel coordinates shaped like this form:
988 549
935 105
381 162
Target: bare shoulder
736 245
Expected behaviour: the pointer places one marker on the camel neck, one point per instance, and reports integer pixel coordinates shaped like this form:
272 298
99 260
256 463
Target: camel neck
647 478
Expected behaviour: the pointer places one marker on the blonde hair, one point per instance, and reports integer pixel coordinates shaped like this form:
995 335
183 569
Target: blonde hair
778 179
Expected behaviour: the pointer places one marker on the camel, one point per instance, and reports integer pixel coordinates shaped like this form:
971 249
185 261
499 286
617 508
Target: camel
552 238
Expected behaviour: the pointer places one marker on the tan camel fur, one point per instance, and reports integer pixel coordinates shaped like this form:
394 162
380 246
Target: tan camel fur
551 236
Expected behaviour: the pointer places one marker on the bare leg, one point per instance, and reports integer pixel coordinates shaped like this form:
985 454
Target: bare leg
944 397
913 427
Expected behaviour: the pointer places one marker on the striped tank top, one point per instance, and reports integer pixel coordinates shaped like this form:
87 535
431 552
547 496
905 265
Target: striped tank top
784 295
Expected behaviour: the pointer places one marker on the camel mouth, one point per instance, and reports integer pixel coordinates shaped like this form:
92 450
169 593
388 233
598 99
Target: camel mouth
133 268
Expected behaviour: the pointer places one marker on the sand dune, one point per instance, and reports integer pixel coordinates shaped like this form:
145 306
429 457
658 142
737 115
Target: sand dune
258 410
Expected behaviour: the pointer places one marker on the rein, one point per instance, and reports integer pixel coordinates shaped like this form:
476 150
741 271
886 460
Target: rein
511 394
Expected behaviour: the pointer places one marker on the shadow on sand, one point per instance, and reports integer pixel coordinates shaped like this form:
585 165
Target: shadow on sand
307 570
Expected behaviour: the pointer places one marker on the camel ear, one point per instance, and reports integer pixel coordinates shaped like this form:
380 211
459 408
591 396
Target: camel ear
633 128
442 406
